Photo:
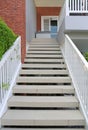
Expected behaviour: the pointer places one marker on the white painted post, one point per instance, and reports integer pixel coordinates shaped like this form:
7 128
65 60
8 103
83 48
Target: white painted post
67 8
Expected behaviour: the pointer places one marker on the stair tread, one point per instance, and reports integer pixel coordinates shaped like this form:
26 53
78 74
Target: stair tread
43 117
43 56
24 79
43 89
43 42
43 48
44 39
43 60
44 45
38 71
48 52
44 101
44 65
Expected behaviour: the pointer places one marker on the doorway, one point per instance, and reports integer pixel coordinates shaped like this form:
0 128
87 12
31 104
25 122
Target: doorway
53 25
50 24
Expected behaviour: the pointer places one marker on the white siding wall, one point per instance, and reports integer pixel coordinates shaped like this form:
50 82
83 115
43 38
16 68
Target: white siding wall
76 23
30 20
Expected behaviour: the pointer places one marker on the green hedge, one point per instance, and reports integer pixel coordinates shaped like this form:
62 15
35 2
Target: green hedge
7 37
86 55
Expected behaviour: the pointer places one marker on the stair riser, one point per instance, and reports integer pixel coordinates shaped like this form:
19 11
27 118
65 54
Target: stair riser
45 60
44 52
43 66
43 105
44 56
43 80
42 123
42 72
44 49
43 46
44 89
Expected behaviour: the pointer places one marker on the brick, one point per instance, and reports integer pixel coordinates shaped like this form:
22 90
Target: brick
13 12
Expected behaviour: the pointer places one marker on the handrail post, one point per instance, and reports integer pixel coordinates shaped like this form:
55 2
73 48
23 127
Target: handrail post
67 7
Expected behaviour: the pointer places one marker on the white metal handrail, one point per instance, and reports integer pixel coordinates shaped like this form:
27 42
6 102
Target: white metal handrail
73 7
78 68
9 65
77 6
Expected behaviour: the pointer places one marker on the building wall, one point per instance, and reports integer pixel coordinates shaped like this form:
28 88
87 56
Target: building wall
13 12
46 11
30 20
49 3
74 23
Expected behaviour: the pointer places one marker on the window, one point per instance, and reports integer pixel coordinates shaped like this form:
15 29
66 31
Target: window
49 22
46 24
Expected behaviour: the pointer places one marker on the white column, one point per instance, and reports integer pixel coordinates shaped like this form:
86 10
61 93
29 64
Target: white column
67 8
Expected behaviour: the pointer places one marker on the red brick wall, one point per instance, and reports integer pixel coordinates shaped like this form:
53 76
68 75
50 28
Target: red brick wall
13 12
46 11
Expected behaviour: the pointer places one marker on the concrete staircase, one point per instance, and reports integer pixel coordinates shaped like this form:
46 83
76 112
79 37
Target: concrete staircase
44 97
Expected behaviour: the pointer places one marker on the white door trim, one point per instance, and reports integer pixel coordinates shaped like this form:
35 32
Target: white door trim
48 17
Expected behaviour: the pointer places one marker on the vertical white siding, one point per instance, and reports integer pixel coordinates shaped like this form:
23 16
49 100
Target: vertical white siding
30 20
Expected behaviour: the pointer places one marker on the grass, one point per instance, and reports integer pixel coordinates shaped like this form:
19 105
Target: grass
86 55
7 37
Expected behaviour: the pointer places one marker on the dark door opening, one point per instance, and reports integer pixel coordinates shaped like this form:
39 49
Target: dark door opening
53 28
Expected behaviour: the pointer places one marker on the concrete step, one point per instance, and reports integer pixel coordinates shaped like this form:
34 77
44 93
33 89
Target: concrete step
44 49
44 101
43 56
44 89
24 79
44 60
44 45
43 118
44 40
43 72
44 66
44 52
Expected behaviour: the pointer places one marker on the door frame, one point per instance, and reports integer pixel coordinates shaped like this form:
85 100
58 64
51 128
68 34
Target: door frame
49 17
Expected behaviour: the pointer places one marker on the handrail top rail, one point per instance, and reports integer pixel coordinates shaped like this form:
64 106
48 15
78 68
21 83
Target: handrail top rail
78 11
83 60
8 52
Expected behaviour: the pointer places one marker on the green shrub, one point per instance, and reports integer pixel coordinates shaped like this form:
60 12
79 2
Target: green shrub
86 55
7 37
